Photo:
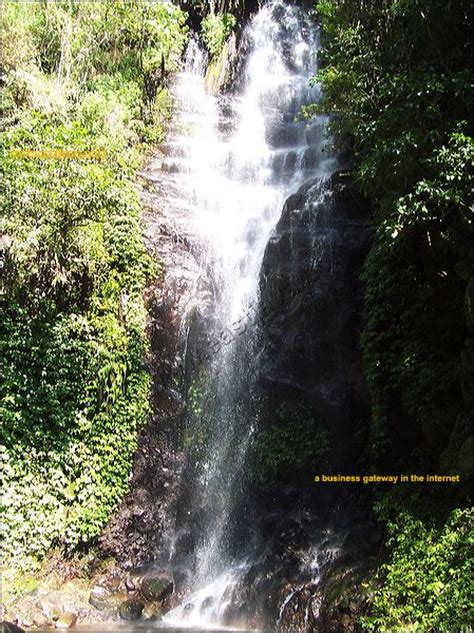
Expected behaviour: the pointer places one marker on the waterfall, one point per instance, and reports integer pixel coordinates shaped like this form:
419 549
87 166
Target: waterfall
230 164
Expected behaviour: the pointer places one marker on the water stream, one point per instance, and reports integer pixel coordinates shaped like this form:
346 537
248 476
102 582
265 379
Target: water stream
231 163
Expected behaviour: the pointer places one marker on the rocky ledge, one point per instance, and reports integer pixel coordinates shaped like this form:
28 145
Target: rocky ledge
118 595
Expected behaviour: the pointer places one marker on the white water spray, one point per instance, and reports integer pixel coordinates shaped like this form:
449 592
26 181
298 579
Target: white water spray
231 164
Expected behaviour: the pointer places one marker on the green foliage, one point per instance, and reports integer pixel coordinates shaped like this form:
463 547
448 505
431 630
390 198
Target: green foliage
200 421
292 443
18 25
404 100
75 391
396 79
392 86
420 358
216 29
428 578
79 40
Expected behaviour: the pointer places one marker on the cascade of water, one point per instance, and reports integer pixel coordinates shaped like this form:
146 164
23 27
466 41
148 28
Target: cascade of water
231 163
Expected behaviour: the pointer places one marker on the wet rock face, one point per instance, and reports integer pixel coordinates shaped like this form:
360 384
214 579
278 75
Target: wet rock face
137 534
311 306
311 311
309 578
221 72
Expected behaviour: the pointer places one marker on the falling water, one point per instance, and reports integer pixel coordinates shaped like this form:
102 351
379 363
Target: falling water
231 163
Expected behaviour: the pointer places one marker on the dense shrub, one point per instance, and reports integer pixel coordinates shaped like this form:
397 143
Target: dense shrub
292 443
403 105
414 339
216 29
396 79
428 578
75 390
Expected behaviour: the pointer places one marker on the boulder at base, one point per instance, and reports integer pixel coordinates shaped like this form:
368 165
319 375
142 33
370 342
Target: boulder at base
66 621
131 610
104 599
9 627
156 587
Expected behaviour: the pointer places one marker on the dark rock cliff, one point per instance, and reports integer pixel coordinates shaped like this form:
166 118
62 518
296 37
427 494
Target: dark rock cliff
311 313
311 307
139 531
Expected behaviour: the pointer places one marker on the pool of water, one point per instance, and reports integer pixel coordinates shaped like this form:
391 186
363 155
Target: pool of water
150 628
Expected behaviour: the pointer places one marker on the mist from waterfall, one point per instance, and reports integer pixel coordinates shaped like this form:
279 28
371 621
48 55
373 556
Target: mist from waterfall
232 162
